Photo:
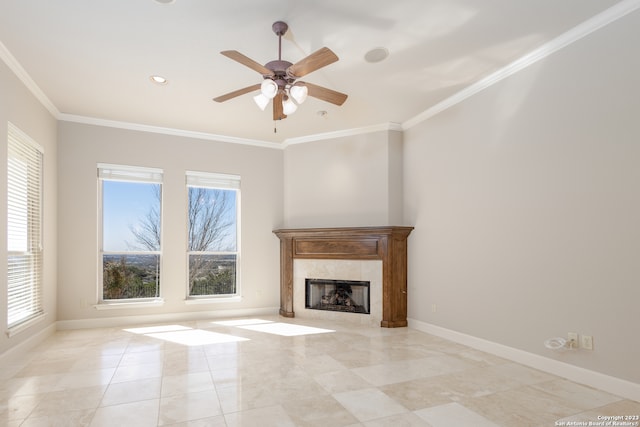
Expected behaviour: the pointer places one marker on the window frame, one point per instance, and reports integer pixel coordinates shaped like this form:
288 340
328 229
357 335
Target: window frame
215 181
20 146
132 174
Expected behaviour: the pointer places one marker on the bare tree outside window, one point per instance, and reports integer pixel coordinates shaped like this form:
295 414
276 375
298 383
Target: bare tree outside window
147 229
211 239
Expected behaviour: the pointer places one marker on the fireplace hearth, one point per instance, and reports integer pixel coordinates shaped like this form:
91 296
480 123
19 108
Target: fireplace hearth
348 296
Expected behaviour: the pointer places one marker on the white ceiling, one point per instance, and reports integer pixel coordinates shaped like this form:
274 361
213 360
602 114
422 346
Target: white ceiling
92 59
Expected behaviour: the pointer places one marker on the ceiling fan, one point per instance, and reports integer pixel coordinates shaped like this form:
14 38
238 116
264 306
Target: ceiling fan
280 79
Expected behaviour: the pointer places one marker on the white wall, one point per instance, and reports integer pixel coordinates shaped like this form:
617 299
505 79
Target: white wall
19 107
526 205
347 182
82 146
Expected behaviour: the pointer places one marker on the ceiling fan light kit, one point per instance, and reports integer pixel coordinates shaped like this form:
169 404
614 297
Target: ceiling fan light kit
269 88
261 100
299 93
288 106
280 79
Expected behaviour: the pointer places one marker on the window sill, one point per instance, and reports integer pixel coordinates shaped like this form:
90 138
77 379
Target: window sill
13 330
212 300
159 302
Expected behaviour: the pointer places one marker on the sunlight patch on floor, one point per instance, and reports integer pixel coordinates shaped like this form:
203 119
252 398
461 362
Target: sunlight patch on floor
241 322
286 329
184 335
156 329
197 337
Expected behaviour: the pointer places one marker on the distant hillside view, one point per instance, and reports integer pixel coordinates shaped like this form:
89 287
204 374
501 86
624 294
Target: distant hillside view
138 276
212 274
131 276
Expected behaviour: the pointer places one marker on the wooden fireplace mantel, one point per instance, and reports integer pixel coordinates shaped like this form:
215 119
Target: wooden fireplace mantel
388 244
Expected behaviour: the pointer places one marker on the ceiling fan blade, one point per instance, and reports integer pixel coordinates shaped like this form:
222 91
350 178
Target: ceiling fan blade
235 93
325 94
313 62
246 61
278 114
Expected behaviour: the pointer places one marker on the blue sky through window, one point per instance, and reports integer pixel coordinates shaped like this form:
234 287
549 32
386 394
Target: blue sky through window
125 205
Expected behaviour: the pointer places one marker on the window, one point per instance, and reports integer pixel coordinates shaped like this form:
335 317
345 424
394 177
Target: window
213 224
131 201
24 229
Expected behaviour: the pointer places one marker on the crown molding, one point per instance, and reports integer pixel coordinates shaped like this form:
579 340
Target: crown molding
576 33
228 139
342 133
24 77
167 131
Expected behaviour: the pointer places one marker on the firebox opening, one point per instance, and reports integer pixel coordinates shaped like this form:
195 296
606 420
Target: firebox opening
348 296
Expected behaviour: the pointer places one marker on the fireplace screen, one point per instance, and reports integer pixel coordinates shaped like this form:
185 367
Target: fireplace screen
337 295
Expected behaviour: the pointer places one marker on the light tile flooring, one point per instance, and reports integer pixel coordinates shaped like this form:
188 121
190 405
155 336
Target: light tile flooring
282 372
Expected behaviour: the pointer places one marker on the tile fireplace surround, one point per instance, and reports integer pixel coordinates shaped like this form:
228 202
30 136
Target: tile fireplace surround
367 270
388 245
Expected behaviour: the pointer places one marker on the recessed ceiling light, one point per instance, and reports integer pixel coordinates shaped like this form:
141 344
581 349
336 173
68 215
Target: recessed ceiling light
159 80
377 54
165 1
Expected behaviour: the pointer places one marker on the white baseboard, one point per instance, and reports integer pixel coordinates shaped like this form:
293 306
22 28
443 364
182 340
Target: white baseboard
19 350
114 322
617 386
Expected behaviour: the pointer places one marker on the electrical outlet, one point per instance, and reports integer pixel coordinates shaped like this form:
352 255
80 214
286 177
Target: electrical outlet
434 308
587 342
573 339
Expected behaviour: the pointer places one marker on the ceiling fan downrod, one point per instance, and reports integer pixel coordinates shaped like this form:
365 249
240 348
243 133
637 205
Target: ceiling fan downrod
280 28
279 67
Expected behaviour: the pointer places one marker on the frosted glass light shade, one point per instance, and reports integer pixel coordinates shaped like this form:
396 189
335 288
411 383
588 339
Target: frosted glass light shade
288 106
299 93
261 100
269 88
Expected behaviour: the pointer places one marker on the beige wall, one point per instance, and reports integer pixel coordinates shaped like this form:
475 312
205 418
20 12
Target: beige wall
81 147
526 199
18 106
348 181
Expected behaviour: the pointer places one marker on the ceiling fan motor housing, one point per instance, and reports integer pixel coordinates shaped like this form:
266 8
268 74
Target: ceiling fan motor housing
280 28
279 69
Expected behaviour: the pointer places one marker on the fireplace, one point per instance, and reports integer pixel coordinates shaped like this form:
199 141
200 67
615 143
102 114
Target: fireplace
349 296
318 250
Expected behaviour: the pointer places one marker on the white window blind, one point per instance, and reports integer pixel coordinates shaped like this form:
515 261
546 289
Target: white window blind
212 180
129 173
24 228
